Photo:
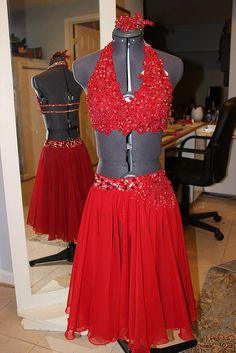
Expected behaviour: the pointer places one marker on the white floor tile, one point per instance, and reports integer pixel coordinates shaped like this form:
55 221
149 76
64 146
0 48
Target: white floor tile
56 341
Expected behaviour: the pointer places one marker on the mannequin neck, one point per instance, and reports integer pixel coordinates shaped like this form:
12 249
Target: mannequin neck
133 35
121 39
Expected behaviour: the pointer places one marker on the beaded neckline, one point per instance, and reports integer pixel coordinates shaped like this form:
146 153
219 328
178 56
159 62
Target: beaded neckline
142 76
147 111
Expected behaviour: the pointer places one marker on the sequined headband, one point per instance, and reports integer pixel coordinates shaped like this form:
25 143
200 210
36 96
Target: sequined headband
126 23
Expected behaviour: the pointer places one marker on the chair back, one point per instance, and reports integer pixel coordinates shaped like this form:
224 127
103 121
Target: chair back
218 149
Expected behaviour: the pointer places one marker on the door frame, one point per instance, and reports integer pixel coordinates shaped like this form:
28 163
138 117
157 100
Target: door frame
68 30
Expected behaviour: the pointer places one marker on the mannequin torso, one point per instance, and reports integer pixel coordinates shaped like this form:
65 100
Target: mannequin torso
51 88
112 148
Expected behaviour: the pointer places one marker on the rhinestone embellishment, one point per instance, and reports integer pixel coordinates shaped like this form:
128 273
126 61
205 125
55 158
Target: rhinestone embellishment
154 188
63 144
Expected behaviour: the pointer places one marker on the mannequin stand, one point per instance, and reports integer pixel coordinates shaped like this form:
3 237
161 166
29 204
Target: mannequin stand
66 254
176 348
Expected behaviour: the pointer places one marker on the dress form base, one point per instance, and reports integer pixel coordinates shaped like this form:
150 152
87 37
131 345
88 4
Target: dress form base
66 254
171 348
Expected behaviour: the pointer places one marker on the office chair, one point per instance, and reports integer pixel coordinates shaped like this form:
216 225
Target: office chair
208 171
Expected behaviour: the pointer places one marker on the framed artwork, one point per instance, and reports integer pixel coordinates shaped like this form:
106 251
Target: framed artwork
120 11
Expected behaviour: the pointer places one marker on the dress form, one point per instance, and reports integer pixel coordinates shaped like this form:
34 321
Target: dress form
112 148
54 85
57 85
144 160
108 78
129 46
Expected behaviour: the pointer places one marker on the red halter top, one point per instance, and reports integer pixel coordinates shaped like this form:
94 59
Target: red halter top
147 111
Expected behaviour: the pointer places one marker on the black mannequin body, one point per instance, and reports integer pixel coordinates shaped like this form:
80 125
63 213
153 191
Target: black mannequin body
146 147
51 87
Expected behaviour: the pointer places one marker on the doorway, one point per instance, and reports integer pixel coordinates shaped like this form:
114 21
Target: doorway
82 37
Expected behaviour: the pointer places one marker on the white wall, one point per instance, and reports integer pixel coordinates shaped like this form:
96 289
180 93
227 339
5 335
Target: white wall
198 46
203 70
5 253
107 15
47 29
6 105
17 23
202 37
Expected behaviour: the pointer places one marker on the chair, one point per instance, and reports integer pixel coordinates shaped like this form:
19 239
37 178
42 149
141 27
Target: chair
208 171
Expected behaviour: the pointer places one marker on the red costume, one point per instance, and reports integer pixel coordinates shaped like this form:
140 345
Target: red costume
65 174
64 177
130 277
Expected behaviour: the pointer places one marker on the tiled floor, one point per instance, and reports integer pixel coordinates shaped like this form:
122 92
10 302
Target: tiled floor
49 277
204 251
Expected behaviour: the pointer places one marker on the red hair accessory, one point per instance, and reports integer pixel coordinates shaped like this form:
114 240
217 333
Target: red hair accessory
60 54
126 23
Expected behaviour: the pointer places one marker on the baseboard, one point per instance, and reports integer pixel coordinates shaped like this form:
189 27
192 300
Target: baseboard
6 277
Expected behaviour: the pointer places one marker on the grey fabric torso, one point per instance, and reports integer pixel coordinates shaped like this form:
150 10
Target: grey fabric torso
52 86
112 153
112 148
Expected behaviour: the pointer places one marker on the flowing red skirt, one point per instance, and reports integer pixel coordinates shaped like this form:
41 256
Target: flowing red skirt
130 277
62 183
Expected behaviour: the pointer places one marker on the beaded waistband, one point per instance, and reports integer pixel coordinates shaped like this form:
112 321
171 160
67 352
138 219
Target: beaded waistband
59 108
64 143
154 187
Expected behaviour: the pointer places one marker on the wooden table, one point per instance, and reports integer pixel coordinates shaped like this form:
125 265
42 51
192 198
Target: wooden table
170 140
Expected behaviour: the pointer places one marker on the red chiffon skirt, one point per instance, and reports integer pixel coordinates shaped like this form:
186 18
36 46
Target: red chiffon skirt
130 277
62 183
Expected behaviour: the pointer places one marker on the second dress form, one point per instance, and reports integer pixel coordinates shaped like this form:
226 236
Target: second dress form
64 174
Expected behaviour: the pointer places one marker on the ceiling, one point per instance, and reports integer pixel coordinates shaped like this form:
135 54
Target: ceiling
182 12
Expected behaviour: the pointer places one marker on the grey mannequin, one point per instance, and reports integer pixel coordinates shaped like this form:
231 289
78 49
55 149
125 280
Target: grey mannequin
51 87
146 147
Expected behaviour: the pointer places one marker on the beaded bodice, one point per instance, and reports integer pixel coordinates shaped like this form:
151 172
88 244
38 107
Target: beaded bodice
146 112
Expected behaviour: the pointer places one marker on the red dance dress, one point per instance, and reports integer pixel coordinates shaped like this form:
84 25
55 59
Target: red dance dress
130 277
64 177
